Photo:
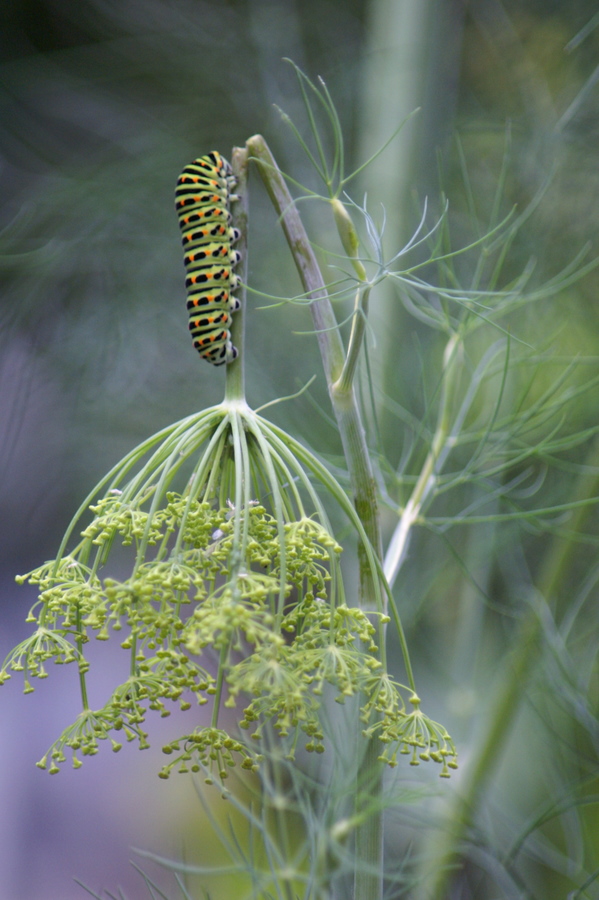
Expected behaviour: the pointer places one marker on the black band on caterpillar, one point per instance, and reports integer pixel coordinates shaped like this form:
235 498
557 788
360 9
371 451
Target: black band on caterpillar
202 200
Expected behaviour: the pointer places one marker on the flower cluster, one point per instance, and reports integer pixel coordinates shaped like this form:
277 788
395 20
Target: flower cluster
229 602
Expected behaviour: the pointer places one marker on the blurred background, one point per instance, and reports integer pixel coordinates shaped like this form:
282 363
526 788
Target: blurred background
102 104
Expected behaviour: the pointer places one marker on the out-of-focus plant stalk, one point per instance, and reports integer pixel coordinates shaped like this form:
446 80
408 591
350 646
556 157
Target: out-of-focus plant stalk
443 856
394 75
393 82
369 833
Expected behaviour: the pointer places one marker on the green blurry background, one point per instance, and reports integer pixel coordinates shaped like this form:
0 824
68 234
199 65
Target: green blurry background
102 104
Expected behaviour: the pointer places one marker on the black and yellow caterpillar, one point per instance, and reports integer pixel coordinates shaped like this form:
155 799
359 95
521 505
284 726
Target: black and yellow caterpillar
202 199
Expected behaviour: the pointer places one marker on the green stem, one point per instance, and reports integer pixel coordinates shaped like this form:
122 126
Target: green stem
368 873
329 339
342 396
369 833
235 371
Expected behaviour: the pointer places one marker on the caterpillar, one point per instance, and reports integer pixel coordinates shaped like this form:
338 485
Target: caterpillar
202 200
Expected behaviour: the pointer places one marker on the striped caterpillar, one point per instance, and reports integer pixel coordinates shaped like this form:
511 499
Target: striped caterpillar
202 200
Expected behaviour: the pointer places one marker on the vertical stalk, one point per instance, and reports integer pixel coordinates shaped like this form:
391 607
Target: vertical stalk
235 371
396 68
368 882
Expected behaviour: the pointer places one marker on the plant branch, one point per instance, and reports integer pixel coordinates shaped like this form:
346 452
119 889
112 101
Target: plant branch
398 544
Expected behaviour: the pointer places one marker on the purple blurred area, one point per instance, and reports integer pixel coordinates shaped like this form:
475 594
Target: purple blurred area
79 823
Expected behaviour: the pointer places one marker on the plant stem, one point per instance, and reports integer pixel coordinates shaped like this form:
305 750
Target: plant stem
235 371
368 881
329 339
342 396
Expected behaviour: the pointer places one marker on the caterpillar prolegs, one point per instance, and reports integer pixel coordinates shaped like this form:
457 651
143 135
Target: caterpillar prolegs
202 200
